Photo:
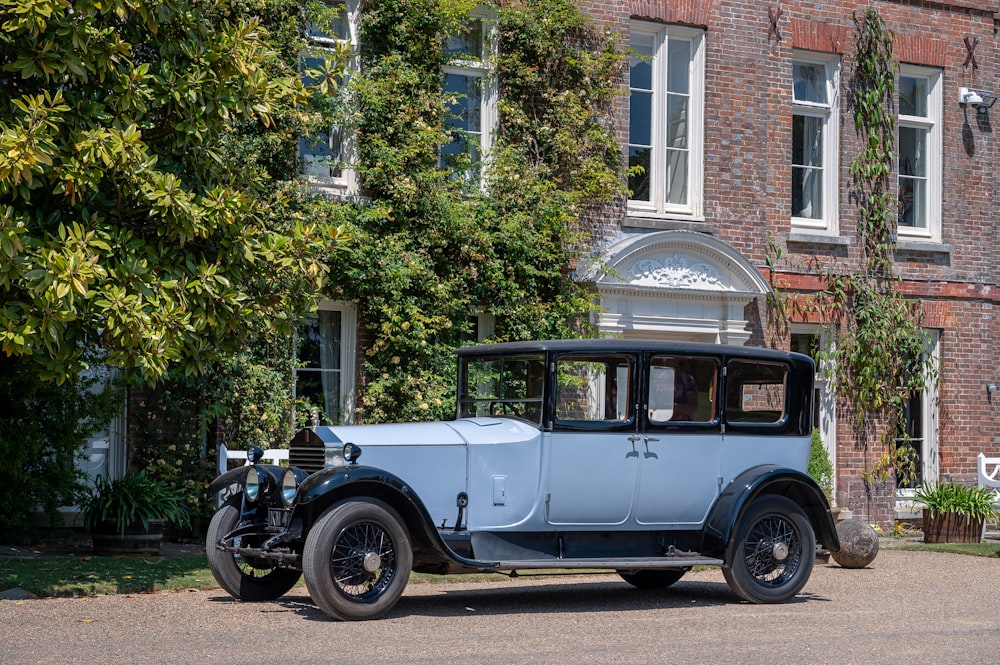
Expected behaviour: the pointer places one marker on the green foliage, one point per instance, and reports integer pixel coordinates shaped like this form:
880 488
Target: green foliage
142 145
135 497
45 429
973 503
247 402
820 469
435 246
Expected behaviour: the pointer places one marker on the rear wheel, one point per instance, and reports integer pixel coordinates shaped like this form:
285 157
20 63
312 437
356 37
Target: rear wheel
773 551
245 578
357 560
652 579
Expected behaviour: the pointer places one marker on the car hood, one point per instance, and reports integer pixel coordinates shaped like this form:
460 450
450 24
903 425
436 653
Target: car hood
456 432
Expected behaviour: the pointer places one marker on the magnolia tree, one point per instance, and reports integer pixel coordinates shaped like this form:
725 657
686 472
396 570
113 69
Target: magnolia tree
140 211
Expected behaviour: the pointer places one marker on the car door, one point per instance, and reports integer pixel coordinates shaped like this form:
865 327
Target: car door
681 440
594 447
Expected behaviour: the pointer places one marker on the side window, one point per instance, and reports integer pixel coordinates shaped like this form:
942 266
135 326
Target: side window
756 392
503 386
324 377
593 389
682 389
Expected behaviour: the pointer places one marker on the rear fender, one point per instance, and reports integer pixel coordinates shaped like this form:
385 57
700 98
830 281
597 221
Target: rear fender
767 479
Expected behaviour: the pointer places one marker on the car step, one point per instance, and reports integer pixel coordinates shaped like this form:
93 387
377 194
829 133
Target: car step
617 564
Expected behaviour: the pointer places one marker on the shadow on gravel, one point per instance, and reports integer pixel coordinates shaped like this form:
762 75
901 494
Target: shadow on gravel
542 599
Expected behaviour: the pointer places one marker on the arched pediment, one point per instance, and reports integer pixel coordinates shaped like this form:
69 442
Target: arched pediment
676 261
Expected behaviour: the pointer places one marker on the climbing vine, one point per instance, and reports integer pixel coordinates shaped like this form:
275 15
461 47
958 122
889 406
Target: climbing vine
435 245
879 357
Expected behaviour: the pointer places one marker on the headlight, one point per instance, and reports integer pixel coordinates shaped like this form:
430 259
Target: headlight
253 483
288 486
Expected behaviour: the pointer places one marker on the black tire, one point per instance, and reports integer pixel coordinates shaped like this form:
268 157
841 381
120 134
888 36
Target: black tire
357 560
246 579
652 579
773 551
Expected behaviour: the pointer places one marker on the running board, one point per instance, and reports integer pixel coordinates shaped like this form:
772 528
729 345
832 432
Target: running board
616 564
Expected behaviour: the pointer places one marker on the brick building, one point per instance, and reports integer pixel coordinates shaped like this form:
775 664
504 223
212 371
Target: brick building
738 113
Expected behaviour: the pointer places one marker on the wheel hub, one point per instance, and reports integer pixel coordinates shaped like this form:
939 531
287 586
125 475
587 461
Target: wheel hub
779 551
372 562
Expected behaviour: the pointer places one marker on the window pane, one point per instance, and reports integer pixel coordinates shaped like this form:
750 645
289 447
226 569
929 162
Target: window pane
807 192
755 392
677 125
638 182
640 118
592 389
809 82
318 380
466 109
681 389
679 66
469 43
913 151
338 28
913 96
677 174
807 141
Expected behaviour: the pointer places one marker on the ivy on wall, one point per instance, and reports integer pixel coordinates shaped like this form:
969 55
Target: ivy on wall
433 247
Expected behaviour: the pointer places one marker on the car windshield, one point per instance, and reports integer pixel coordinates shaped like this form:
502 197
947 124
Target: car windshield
507 385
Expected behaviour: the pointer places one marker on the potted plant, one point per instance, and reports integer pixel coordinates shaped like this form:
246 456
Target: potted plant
126 516
954 513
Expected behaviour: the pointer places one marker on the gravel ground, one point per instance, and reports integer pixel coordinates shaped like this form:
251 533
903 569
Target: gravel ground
906 607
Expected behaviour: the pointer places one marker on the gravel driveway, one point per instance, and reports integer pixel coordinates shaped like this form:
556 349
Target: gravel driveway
907 608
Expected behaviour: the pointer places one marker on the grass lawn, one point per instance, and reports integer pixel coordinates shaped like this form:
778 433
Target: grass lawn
95 575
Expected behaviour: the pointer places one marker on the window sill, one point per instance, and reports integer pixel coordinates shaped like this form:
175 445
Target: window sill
807 238
638 221
922 246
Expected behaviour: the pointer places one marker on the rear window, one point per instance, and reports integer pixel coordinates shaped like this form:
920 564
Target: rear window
756 392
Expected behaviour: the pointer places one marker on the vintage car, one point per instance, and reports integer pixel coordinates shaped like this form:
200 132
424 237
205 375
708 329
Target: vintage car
645 458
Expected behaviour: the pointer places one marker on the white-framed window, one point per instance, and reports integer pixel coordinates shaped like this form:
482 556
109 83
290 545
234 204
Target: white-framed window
919 167
815 141
920 433
470 97
326 361
327 157
666 109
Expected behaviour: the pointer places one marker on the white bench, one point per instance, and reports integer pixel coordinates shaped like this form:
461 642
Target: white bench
988 472
271 456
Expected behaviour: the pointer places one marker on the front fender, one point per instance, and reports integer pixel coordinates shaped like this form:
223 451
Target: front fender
354 481
767 479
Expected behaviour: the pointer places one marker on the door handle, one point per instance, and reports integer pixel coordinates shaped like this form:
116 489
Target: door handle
633 439
647 439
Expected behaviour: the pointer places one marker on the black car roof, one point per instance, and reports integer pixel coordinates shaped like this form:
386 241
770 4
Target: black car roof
627 346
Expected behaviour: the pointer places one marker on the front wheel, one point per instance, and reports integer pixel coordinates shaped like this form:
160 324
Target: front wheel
357 560
773 551
244 578
652 579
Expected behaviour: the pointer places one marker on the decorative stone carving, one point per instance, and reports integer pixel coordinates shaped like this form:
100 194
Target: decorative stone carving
674 271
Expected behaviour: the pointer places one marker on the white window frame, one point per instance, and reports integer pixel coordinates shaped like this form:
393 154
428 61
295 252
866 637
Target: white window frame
829 113
317 168
480 68
348 351
933 124
657 205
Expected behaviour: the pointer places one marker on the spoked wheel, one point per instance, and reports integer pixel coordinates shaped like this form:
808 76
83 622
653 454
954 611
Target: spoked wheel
652 579
357 560
773 551
246 579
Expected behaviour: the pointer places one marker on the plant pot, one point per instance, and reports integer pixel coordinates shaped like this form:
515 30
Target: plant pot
951 528
136 541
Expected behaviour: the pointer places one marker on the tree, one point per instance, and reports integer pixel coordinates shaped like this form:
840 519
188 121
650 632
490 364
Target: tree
145 147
